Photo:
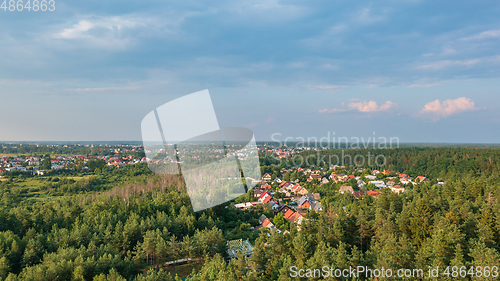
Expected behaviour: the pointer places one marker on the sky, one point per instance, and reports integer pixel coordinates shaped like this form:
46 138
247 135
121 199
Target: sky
421 71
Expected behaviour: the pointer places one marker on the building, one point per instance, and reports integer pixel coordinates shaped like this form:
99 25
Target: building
267 177
397 189
234 247
346 188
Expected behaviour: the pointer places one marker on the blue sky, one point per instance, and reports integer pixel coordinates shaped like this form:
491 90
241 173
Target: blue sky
422 71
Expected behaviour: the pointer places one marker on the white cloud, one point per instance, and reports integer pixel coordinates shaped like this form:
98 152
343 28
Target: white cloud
78 30
104 89
332 88
331 110
438 65
82 28
437 109
424 85
363 106
484 35
111 32
371 106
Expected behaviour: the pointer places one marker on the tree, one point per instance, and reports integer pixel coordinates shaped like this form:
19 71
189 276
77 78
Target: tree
279 221
46 163
4 267
421 222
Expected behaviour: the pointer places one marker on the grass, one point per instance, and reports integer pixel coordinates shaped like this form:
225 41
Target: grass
79 178
29 182
183 270
9 154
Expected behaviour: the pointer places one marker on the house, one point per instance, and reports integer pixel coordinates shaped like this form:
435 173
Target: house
314 176
302 191
346 188
284 184
343 177
262 219
361 183
265 198
324 181
375 172
278 180
292 216
244 206
316 206
307 201
265 222
404 180
316 196
267 177
358 194
257 192
313 196
296 218
297 189
283 209
379 184
275 205
398 189
239 246
421 179
289 213
373 193
16 167
265 186
304 203
370 177
284 191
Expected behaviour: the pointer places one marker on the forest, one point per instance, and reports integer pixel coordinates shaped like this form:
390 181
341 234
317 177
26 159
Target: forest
124 224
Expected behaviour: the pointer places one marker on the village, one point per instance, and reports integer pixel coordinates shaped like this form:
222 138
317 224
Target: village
292 200
33 164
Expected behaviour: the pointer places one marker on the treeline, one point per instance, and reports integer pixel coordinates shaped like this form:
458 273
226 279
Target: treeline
40 150
429 226
431 162
135 221
137 225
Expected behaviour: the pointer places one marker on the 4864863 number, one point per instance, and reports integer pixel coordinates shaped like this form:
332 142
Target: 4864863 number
29 5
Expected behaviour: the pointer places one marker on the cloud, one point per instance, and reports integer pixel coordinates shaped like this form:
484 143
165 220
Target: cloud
371 106
331 110
112 32
332 88
104 89
437 109
424 85
363 106
78 30
483 35
438 65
